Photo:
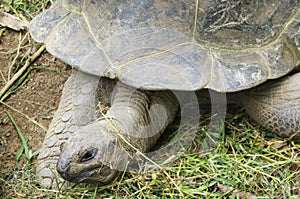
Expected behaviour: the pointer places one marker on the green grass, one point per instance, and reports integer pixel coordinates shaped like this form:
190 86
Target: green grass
25 10
243 164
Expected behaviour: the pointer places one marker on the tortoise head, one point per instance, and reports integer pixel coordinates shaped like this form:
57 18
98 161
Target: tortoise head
91 156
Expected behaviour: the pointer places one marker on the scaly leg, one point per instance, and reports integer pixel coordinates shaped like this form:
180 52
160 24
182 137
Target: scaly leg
276 105
77 108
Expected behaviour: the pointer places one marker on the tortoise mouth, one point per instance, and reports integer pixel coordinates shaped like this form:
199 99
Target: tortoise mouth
99 175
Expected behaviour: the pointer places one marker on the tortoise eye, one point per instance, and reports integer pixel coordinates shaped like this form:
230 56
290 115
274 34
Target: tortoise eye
88 155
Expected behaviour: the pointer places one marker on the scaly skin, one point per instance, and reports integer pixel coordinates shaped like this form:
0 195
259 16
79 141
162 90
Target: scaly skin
77 108
276 105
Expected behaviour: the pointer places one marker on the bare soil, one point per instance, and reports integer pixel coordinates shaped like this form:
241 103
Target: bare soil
36 98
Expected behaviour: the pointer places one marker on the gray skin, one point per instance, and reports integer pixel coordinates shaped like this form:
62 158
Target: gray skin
155 46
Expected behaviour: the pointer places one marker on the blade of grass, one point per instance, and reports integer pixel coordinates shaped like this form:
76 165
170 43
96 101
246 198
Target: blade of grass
28 152
18 156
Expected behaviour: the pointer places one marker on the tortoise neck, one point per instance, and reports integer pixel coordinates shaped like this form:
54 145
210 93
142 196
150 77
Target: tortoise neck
141 116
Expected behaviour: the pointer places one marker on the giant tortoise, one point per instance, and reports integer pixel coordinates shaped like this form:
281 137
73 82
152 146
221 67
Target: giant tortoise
153 48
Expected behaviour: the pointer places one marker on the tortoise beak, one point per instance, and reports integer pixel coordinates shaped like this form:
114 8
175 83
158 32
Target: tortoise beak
98 175
105 175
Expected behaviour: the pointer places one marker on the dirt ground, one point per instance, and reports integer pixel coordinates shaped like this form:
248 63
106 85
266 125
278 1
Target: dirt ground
36 98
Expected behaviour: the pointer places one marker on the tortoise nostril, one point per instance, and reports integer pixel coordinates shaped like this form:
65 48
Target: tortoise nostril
88 155
61 146
62 166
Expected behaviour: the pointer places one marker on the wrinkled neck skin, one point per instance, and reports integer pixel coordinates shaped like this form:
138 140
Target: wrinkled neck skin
141 116
134 123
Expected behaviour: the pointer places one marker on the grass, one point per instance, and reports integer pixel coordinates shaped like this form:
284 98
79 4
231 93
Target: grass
246 163
25 10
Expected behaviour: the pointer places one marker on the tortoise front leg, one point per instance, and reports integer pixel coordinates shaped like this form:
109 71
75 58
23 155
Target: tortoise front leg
77 108
276 105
